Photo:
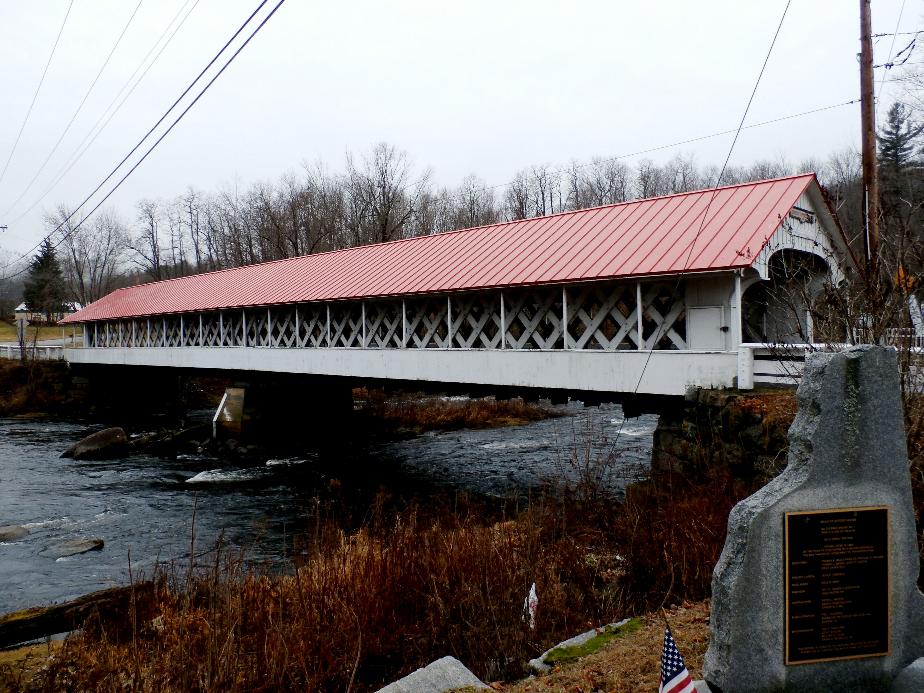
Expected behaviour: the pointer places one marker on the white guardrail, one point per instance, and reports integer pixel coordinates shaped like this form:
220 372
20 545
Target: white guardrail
782 364
773 364
38 352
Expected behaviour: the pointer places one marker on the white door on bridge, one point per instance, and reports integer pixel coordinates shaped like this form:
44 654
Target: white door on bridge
706 328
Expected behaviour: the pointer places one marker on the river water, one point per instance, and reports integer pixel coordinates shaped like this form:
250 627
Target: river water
149 509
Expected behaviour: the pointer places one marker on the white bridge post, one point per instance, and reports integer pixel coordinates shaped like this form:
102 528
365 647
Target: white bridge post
564 317
448 322
503 323
403 325
638 317
244 326
298 340
739 328
745 368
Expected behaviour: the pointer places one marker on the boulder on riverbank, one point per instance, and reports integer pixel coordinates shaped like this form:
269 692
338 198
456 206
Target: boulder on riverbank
446 674
73 547
12 532
105 444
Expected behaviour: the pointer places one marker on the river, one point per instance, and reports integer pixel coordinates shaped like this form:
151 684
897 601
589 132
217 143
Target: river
145 507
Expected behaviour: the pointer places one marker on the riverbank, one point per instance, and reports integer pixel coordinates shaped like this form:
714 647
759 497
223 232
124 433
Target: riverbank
630 664
359 608
35 388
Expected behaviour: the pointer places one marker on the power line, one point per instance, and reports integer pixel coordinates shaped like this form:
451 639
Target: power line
885 74
76 112
151 130
658 334
37 89
80 150
156 142
899 33
909 49
672 145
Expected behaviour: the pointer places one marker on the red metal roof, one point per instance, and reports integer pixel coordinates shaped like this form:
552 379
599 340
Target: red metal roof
656 236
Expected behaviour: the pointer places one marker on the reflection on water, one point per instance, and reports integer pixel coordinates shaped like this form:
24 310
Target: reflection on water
143 506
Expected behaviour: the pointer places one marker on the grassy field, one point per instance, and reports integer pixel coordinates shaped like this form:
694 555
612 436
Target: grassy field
8 332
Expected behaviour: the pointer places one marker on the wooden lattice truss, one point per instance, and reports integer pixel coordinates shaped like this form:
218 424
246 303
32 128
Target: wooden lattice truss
591 316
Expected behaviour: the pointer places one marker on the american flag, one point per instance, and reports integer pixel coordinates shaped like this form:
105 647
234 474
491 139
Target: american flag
674 675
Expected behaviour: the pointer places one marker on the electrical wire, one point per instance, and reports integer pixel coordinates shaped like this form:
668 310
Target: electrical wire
660 332
204 89
76 112
680 143
37 89
80 150
885 74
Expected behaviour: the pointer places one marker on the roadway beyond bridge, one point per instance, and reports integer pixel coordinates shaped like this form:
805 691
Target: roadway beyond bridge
651 297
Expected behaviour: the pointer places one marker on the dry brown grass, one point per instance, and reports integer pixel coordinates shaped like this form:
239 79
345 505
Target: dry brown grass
36 386
19 666
775 407
366 607
420 413
359 610
670 532
630 664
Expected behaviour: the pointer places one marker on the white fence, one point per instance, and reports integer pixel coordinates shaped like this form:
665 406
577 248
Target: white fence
772 364
38 352
899 337
782 364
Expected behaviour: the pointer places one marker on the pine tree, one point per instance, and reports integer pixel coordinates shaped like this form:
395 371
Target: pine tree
44 290
897 140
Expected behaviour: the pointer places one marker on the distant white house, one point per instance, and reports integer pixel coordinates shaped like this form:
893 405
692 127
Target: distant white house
23 313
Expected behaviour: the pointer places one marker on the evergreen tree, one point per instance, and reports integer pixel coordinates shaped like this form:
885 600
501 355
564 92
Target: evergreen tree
897 139
44 290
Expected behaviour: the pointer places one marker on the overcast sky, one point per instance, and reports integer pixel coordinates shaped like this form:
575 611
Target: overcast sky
466 87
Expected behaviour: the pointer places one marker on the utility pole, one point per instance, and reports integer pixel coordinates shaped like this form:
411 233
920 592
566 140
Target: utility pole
868 125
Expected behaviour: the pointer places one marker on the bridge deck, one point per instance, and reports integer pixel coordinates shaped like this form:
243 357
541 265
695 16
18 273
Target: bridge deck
654 372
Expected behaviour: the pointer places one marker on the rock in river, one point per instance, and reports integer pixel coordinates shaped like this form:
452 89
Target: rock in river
73 547
12 532
110 442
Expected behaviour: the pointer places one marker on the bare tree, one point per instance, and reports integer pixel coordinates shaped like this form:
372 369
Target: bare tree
601 182
147 243
649 181
383 197
93 252
517 197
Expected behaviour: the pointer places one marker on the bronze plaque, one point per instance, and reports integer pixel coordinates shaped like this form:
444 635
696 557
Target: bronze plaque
837 584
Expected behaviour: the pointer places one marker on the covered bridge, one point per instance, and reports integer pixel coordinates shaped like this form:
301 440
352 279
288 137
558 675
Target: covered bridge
650 296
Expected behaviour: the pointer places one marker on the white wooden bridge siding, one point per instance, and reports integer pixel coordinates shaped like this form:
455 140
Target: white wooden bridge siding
615 337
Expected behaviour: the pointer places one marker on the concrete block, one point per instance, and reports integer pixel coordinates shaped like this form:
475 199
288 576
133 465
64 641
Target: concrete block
444 674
